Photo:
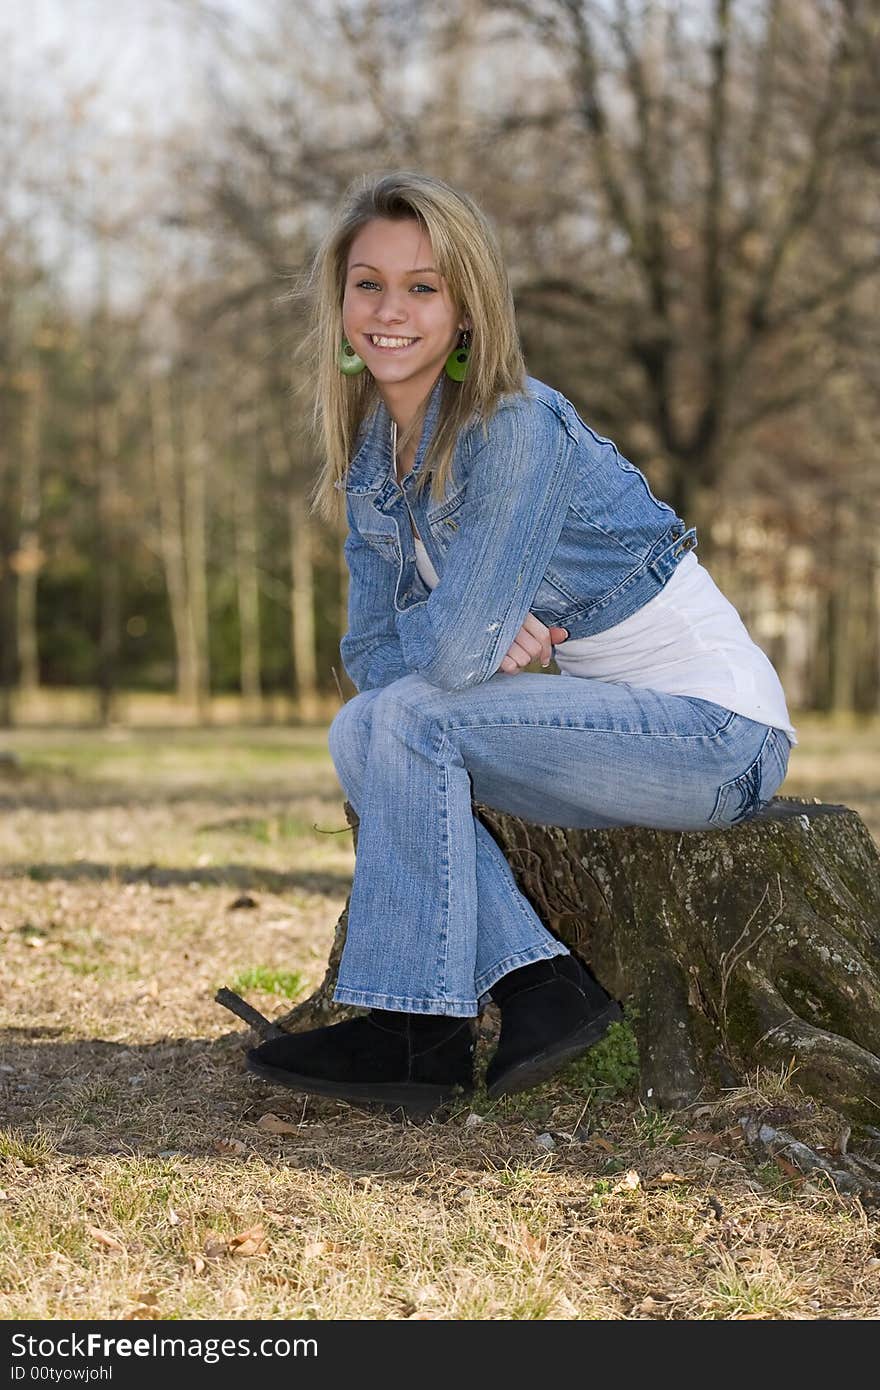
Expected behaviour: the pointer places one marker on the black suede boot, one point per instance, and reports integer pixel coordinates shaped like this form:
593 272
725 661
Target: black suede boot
415 1061
551 1011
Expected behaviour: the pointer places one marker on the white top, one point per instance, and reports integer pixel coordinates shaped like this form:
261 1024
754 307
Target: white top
686 640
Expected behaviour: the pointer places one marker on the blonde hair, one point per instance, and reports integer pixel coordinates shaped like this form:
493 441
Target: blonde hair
467 254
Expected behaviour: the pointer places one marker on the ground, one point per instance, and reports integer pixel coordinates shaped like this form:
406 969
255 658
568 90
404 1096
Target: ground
145 1174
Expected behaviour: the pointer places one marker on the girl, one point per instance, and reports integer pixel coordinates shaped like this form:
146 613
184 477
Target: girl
534 538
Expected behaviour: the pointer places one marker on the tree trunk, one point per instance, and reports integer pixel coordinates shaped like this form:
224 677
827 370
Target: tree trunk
753 946
194 462
8 655
302 606
171 528
28 559
247 581
110 522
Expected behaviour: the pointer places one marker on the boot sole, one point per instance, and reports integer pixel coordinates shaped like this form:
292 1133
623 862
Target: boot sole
542 1065
416 1098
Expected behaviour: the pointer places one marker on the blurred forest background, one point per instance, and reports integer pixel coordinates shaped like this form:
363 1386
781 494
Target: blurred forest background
686 192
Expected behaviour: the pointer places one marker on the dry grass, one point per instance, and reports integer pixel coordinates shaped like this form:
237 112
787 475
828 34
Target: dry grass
140 1177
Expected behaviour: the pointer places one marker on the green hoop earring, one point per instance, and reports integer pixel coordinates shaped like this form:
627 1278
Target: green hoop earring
349 362
457 362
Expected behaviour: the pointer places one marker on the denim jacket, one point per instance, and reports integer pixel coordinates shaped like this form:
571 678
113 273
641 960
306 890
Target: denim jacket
540 515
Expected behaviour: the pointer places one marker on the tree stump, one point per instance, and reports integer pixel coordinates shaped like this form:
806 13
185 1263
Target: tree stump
730 949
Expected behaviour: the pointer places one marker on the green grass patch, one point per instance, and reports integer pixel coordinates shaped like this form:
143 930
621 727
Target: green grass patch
287 983
266 829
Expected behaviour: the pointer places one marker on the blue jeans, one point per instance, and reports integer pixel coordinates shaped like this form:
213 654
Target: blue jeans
435 916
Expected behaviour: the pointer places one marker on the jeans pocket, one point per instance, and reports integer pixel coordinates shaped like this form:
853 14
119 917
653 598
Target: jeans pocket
744 796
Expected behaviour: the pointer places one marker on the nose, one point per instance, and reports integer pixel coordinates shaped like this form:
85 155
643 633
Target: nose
392 308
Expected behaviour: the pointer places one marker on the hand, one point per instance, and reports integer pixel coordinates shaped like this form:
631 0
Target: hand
533 639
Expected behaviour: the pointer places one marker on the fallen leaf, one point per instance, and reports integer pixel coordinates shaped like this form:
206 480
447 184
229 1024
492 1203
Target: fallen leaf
142 1313
273 1124
788 1168
666 1178
237 1300
198 1264
104 1238
173 1218
523 1242
252 1242
701 1136
4 1195
533 1245
628 1183
650 1306
148 1300
313 1249
229 1146
603 1144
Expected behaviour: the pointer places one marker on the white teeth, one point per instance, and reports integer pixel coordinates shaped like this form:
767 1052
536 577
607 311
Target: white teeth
391 342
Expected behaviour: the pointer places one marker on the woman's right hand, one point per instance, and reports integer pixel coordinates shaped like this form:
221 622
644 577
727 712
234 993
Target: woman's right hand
533 639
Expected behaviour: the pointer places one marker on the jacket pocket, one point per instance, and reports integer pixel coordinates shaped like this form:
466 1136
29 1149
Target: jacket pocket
384 544
377 530
744 796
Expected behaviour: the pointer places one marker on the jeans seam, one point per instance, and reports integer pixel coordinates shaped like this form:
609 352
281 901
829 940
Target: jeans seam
580 728
443 943
526 910
399 1003
748 784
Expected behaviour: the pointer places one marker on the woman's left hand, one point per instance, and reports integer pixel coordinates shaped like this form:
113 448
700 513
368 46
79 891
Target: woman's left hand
534 639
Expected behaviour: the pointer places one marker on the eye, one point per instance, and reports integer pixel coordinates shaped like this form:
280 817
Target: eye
365 284
429 288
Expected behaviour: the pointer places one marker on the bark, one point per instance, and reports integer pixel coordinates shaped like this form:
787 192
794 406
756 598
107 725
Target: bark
171 524
194 463
302 606
28 559
247 579
8 655
109 557
286 462
756 946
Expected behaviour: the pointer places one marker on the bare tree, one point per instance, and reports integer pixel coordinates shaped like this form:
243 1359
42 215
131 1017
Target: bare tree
28 558
245 447
709 167
172 532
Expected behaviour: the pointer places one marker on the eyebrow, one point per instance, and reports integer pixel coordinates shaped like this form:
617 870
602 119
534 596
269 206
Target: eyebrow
419 270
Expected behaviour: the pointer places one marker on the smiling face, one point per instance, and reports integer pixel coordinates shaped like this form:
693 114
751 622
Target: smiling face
397 312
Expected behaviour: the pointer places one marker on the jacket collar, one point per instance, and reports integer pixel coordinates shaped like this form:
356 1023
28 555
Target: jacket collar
372 463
